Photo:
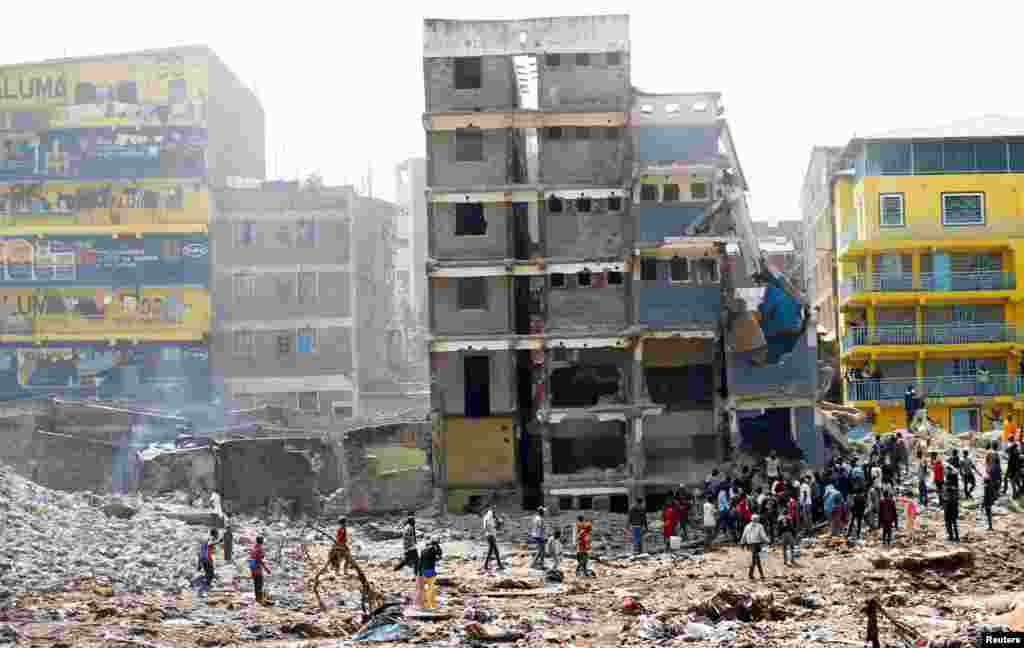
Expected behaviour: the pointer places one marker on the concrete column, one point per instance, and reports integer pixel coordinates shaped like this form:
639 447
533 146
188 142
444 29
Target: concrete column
919 321
635 454
545 431
637 389
915 268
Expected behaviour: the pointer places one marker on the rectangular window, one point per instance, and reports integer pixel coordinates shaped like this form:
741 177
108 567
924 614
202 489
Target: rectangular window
699 191
888 158
612 132
341 409
469 145
582 133
552 60
670 193
890 210
554 133
557 280
309 401
245 233
307 287
305 232
242 342
1017 157
284 343
928 157
469 219
648 269
614 58
614 278
305 340
614 203
648 192
244 286
991 156
472 293
468 73
679 269
583 59
708 270
555 205
583 278
583 204
963 209
958 156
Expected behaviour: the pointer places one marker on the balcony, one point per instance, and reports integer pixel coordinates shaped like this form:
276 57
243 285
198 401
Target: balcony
910 334
76 326
927 282
934 387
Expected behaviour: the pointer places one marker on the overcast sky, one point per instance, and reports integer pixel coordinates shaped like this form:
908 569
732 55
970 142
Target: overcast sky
342 82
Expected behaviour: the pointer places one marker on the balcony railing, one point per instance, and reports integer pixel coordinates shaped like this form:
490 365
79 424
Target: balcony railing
928 282
124 325
931 334
934 387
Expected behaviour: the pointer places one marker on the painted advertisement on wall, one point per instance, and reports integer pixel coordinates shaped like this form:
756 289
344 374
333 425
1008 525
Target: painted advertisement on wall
157 89
173 374
95 153
106 261
88 313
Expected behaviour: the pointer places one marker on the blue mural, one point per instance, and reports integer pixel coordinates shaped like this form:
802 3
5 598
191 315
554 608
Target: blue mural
169 373
105 261
99 153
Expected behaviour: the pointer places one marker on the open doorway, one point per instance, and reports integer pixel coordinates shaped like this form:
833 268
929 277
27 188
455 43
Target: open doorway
478 386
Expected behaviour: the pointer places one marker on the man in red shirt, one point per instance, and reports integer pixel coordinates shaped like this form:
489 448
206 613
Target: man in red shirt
938 475
340 548
668 521
256 567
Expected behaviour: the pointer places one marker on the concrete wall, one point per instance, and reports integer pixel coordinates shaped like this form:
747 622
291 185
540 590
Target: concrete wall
333 355
586 309
796 375
74 464
402 490
599 85
596 160
187 470
678 305
558 34
480 452
498 87
274 236
596 234
451 376
676 143
448 319
17 434
255 470
682 447
368 491
495 244
277 293
237 130
445 171
655 222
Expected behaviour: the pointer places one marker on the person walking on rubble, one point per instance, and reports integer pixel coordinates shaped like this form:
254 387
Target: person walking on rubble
710 523
206 557
257 566
668 523
340 552
583 530
787 535
755 537
411 557
887 517
427 590
992 479
858 508
229 541
490 525
951 506
538 537
638 525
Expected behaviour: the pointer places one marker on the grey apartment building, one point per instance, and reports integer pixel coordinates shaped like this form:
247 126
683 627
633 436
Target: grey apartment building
578 273
302 298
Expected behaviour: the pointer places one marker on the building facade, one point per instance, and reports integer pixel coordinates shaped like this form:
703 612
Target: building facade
928 224
106 166
576 281
819 237
304 297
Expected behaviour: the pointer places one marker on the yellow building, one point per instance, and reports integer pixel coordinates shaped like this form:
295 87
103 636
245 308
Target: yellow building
930 231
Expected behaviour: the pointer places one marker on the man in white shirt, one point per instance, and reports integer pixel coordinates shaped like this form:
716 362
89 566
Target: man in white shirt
710 522
806 504
771 467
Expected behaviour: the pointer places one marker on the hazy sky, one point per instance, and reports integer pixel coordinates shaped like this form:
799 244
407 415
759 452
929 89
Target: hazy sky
342 83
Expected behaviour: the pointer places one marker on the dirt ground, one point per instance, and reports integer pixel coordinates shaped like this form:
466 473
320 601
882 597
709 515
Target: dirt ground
819 601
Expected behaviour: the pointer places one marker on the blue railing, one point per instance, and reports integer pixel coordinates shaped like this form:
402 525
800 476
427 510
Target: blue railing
934 387
927 281
907 334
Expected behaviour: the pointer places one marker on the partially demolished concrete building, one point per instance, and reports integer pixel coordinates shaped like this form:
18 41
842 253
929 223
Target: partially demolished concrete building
587 324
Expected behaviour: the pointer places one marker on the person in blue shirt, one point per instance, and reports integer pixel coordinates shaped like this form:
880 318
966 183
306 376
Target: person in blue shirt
724 518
